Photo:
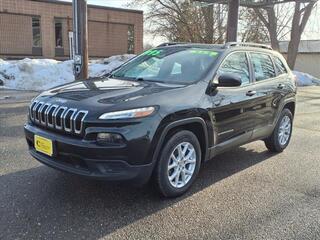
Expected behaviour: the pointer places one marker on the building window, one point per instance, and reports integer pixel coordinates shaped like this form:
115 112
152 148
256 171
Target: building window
58 31
36 32
130 39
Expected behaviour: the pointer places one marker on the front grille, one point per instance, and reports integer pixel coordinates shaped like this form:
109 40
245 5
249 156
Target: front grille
57 117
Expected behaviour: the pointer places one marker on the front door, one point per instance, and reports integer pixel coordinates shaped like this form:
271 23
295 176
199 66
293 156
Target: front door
232 106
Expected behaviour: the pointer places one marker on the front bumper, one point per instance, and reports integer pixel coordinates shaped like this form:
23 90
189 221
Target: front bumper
88 159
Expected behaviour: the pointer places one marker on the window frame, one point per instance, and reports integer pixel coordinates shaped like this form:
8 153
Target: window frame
270 55
251 79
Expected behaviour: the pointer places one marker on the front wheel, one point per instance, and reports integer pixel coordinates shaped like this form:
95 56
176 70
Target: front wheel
178 165
281 135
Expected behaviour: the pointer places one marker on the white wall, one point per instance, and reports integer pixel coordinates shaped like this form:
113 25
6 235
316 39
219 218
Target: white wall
308 63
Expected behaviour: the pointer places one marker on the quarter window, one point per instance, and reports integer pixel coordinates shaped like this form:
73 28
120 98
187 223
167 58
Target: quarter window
36 32
281 69
262 66
236 63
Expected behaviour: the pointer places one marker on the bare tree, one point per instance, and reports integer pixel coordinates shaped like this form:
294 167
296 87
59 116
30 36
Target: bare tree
252 29
280 20
183 21
300 18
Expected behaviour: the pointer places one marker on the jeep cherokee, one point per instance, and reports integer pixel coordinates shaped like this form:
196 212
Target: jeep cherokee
165 112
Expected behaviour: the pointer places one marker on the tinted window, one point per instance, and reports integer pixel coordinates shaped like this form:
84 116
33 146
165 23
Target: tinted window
176 65
236 63
281 69
262 66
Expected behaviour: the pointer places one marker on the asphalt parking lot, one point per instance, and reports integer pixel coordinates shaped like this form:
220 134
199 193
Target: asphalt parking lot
247 193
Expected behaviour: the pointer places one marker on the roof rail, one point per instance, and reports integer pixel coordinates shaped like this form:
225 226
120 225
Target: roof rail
171 44
245 44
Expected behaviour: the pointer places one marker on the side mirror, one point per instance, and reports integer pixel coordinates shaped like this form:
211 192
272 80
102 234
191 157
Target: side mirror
229 80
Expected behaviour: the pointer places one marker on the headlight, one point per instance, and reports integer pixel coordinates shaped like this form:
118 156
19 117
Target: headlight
127 114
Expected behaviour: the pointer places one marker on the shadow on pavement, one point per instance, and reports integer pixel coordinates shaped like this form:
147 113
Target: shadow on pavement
49 204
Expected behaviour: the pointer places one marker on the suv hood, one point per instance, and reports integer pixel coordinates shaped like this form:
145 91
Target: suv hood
104 92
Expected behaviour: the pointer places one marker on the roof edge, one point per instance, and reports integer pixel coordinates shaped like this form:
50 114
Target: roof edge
90 6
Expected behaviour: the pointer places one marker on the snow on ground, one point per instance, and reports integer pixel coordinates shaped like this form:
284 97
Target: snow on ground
43 74
305 79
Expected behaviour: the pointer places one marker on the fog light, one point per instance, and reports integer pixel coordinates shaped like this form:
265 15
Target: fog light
109 139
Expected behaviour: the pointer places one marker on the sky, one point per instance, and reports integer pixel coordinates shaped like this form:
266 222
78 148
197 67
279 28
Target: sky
110 3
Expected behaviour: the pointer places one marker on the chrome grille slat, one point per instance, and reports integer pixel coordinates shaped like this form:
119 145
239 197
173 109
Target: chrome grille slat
74 111
45 114
36 112
53 108
31 109
41 112
64 109
78 131
53 116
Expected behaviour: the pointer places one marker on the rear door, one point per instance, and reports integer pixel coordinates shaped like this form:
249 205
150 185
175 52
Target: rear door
267 86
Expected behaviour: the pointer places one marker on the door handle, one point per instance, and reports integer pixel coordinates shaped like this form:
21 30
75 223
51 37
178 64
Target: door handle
251 93
280 86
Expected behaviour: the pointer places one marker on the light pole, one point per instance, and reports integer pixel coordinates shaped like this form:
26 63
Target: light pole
80 38
233 17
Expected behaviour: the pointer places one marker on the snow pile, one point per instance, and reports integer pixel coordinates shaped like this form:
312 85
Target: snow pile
101 67
43 74
305 79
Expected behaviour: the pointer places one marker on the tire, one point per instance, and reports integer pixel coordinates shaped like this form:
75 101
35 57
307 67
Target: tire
167 180
274 143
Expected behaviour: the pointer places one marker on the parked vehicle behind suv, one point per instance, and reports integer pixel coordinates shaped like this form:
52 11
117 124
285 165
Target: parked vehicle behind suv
164 113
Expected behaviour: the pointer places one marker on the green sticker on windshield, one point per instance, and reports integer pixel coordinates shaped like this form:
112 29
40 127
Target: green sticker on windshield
152 52
206 52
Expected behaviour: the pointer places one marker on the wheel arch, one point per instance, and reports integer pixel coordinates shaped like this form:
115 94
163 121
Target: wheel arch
291 105
197 125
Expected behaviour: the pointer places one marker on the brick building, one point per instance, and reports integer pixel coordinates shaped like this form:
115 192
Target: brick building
40 29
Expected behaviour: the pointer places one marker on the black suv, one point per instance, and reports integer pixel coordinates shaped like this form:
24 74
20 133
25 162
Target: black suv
165 112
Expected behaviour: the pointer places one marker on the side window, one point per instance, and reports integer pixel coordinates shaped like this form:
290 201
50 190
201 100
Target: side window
262 66
236 63
281 69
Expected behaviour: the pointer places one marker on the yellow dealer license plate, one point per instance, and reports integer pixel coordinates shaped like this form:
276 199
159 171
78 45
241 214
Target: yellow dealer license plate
43 145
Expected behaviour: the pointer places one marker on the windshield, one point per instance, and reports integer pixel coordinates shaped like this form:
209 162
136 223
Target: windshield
169 65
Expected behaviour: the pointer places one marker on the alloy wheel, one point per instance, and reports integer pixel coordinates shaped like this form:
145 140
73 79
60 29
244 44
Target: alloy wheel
182 164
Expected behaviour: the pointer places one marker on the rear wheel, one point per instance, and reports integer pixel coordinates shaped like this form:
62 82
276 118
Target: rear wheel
178 165
281 135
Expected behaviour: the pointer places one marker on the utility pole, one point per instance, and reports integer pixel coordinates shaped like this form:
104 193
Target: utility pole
233 16
80 36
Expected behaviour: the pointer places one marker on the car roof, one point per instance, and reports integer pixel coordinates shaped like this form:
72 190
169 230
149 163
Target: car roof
230 46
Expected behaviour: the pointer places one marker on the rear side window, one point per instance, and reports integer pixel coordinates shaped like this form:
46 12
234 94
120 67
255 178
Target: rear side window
262 66
236 63
281 69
